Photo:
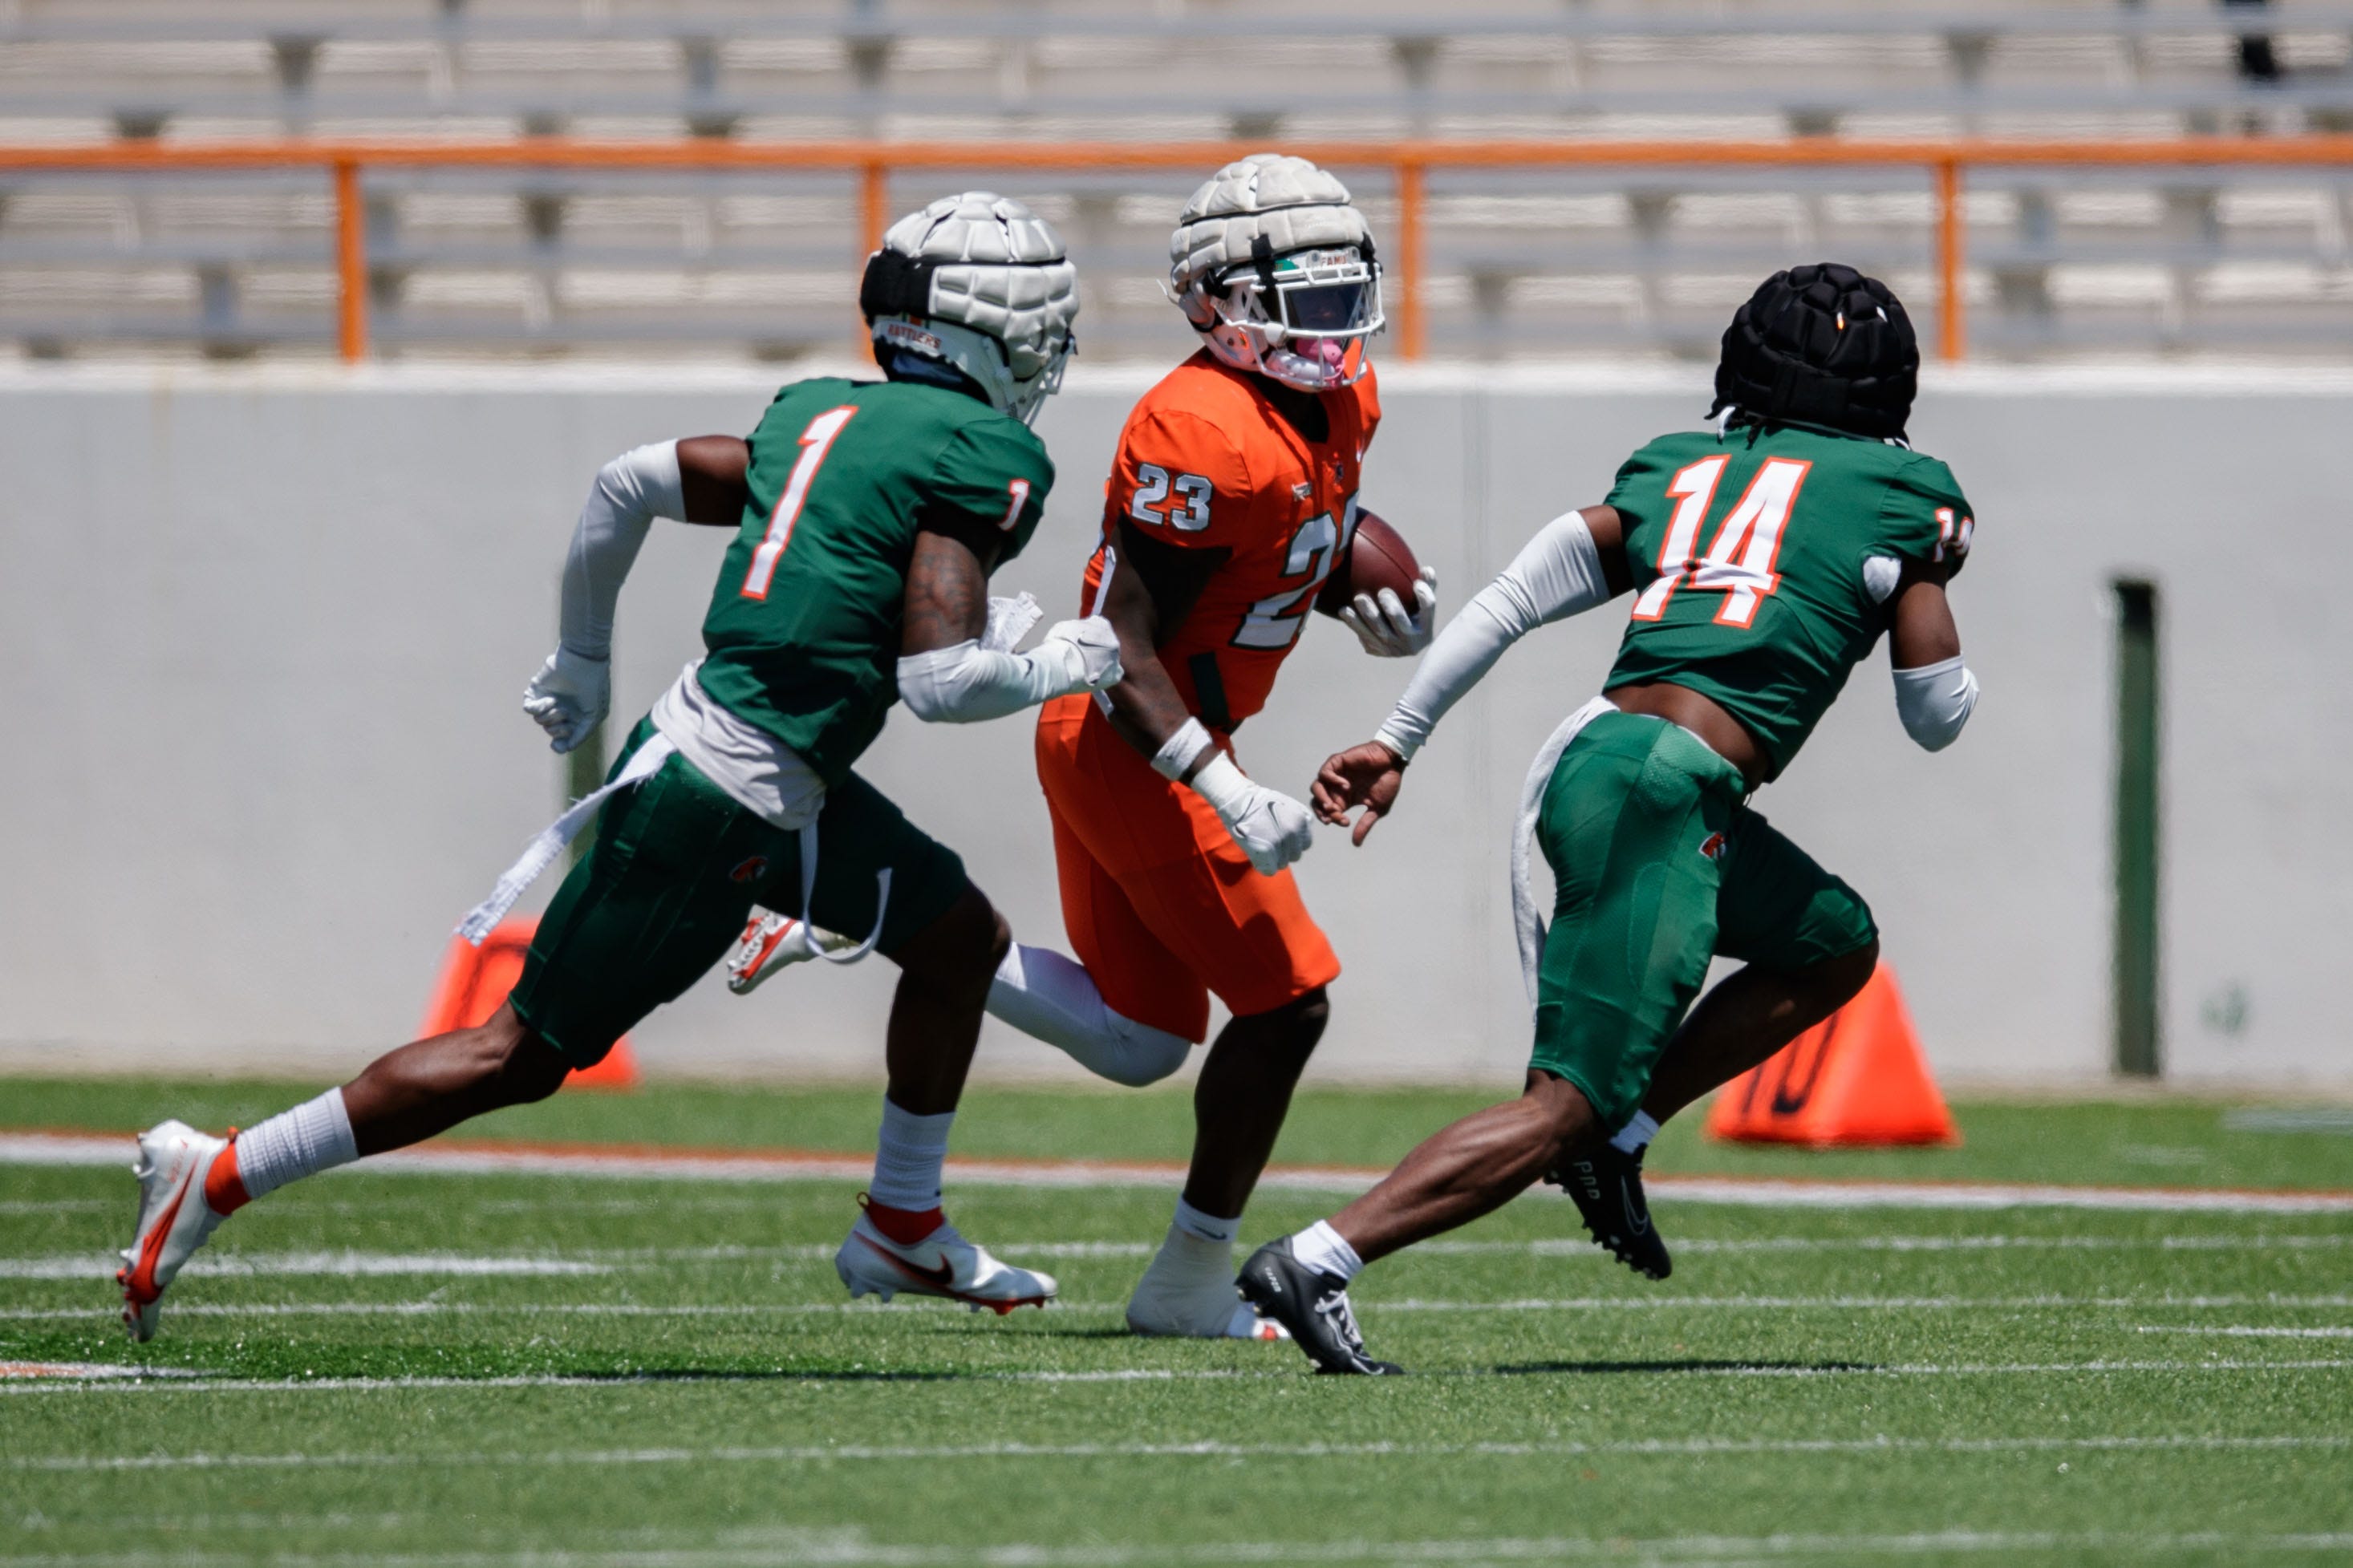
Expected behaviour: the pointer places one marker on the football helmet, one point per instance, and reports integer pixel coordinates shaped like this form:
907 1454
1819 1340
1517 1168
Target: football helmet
1274 267
975 291
1822 345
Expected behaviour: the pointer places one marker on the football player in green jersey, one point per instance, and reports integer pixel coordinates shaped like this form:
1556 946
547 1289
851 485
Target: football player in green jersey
868 517
1767 555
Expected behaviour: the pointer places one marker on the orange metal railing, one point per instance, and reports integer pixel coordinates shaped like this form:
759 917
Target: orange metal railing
1408 163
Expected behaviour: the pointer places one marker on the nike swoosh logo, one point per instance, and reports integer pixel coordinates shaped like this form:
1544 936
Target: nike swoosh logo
139 1284
1636 1215
944 1277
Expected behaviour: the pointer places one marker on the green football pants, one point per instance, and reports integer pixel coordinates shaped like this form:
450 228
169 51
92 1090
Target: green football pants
1659 867
675 871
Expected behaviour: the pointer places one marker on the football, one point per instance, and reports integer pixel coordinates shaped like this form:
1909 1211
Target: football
1378 559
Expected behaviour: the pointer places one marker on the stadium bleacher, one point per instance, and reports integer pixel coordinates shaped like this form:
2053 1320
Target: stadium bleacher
2238 260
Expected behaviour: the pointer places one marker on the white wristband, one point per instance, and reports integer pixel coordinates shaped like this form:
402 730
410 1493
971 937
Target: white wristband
1181 751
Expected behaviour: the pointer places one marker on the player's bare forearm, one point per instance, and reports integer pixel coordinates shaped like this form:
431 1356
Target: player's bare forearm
1153 587
1608 531
947 588
1922 631
712 476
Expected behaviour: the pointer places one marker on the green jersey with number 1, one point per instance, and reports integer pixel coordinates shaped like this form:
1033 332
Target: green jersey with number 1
805 623
1752 555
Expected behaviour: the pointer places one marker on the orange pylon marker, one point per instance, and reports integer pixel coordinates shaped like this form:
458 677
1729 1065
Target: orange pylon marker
1855 1080
475 980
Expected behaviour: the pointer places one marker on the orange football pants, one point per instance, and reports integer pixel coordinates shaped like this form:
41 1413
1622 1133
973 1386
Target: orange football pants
1159 901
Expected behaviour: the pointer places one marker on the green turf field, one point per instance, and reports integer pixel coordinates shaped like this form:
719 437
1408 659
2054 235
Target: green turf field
529 1369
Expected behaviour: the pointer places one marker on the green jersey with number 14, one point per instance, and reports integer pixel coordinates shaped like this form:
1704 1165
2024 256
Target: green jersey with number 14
805 623
1752 555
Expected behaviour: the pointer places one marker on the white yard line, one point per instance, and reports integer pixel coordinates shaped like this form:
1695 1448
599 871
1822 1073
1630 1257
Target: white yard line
1376 1306
694 1165
827 1549
1660 1447
332 1265
2251 1331
203 1385
235 1263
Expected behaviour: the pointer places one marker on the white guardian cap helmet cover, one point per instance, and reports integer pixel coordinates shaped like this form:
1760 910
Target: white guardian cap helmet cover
973 288
1274 265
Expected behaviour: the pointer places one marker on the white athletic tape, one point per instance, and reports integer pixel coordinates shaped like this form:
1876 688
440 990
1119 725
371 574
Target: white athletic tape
540 852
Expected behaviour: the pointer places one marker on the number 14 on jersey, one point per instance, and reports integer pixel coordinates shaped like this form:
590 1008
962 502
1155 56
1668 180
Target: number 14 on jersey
1739 560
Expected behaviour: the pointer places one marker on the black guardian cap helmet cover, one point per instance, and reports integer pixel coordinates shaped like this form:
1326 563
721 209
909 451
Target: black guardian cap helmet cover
1822 344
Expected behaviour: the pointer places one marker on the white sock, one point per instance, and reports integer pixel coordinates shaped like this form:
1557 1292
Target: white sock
1636 1135
1048 997
1208 1226
907 1158
1327 1251
314 1136
1188 1261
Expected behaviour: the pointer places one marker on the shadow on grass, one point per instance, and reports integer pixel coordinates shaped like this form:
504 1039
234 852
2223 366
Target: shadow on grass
1694 1364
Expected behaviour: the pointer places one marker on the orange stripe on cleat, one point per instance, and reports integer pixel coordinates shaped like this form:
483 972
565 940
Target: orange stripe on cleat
225 1181
140 1286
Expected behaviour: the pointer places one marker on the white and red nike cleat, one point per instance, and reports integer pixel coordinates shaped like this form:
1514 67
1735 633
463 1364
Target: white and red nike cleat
174 1218
771 942
943 1264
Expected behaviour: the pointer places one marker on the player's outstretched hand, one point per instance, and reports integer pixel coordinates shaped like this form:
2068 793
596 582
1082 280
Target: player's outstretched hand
1386 627
1091 648
1369 775
569 696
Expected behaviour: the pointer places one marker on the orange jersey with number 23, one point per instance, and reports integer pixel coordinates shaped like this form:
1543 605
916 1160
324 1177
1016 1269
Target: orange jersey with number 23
1206 462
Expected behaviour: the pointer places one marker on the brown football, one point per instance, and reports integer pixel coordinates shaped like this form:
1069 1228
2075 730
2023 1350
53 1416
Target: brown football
1377 560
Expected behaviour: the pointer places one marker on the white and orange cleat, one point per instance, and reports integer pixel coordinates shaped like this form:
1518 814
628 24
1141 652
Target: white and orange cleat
942 1264
771 942
174 1218
1188 1293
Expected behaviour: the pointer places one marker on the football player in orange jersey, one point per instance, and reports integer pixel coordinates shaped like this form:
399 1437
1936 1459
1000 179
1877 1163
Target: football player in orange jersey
1232 497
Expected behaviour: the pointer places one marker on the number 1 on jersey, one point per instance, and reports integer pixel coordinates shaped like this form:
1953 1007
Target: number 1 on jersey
815 441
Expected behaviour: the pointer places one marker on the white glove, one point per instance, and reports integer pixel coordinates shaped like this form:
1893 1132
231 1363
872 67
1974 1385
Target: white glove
1273 828
1090 649
569 696
1383 625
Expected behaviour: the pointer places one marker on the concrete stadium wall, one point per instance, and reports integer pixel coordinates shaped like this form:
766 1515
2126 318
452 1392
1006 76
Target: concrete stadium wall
262 634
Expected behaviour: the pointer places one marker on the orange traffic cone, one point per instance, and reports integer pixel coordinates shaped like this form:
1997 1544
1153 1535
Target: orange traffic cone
475 980
1856 1079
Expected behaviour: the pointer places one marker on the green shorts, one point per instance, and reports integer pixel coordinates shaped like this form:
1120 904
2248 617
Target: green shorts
676 868
1659 868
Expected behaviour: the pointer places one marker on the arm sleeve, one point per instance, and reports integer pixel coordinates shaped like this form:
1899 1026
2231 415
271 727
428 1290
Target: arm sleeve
1556 575
1935 701
630 492
966 683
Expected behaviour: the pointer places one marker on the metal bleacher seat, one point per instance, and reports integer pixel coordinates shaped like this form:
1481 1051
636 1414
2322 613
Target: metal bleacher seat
1553 262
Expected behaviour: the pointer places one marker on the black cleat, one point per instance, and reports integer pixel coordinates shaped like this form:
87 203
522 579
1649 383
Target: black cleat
1313 1306
1608 1187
